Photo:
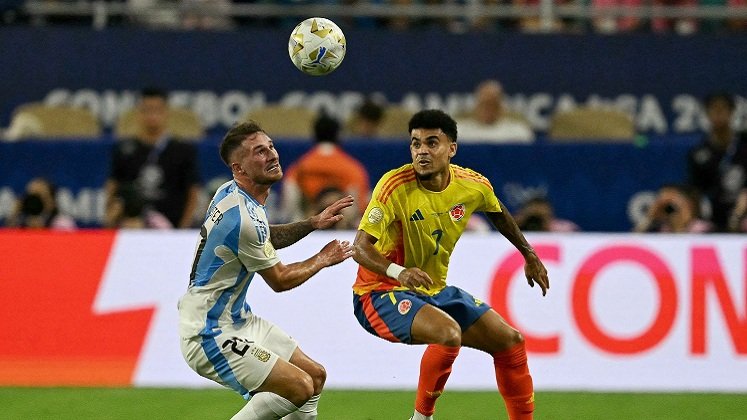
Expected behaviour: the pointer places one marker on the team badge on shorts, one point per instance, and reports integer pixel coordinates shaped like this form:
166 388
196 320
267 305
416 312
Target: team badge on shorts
457 212
404 306
375 215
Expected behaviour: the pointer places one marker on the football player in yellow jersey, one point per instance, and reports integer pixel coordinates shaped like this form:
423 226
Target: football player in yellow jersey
407 234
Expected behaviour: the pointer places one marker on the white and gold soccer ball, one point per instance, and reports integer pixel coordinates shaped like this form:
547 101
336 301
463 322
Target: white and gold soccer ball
317 46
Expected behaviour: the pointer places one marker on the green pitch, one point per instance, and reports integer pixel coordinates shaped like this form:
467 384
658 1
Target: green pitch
206 404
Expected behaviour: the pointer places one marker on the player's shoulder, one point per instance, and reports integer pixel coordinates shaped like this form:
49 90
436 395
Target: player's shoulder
404 169
470 177
394 179
398 176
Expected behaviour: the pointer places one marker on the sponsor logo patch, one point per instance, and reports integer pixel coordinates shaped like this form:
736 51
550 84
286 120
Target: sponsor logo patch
404 306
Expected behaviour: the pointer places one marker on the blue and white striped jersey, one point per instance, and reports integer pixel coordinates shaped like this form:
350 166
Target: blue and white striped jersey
234 244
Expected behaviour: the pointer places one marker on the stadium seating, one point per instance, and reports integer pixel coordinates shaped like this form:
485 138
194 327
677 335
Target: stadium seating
39 121
293 122
591 123
394 122
182 123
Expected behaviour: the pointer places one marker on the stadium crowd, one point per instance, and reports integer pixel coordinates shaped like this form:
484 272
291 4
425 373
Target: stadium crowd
571 16
155 181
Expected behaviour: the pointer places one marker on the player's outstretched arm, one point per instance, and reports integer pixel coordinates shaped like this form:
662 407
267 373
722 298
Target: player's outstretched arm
534 270
365 254
281 277
285 235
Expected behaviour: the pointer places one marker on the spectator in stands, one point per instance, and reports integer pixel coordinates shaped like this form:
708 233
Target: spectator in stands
684 25
156 14
490 121
402 22
538 215
37 208
738 217
537 23
676 209
366 120
325 198
163 170
325 165
128 210
206 14
718 165
613 24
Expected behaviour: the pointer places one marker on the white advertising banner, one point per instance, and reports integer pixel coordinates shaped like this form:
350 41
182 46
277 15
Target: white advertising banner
624 312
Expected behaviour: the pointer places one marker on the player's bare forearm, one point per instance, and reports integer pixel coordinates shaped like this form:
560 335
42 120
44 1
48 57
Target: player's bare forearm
365 254
288 234
534 270
281 277
507 226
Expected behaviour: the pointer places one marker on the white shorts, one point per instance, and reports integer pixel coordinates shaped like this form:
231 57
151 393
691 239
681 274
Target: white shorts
239 358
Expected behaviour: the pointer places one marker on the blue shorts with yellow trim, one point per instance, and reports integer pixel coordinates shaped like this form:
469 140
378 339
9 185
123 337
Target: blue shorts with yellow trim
389 314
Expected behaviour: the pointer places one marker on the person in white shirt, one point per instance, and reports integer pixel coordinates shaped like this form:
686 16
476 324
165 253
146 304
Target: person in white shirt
490 121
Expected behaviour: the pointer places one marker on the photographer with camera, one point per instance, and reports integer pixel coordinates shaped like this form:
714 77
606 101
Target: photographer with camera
538 215
676 209
37 208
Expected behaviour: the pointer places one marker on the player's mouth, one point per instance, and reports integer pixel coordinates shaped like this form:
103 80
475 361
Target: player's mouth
424 162
274 167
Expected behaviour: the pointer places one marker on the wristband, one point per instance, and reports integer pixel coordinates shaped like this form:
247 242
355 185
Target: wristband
394 270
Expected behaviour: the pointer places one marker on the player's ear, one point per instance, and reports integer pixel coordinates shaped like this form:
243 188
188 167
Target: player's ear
452 149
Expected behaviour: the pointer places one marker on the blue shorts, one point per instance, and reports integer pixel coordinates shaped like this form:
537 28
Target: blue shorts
389 314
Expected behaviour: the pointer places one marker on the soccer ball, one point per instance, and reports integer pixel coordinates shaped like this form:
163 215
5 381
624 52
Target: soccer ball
317 46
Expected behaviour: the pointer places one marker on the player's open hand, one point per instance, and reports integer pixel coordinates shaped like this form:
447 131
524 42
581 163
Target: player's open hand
536 272
335 252
332 214
413 277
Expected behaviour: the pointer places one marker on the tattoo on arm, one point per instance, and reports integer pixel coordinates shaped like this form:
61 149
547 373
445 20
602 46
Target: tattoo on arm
288 234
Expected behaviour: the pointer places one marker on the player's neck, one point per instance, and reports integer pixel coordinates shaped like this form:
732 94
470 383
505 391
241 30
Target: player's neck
259 192
436 182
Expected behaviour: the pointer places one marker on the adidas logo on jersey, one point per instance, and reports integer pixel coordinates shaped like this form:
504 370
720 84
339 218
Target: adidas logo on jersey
417 216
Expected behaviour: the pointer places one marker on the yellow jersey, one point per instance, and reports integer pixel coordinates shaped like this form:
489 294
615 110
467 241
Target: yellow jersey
416 227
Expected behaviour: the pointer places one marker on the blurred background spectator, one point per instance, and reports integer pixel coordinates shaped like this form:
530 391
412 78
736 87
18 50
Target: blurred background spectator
681 25
326 165
718 165
37 208
326 198
538 215
206 14
128 210
738 217
490 120
366 120
608 24
161 169
676 209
